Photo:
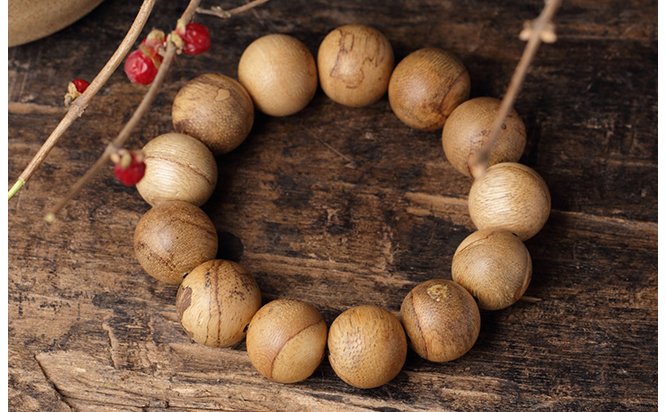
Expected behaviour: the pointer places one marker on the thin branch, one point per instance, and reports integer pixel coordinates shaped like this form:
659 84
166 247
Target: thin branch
535 32
33 108
530 299
124 134
79 105
217 11
190 11
337 152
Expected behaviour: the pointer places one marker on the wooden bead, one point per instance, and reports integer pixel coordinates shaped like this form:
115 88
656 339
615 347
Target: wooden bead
367 346
286 340
173 238
178 167
494 266
32 20
426 86
280 74
468 128
355 63
510 196
215 109
441 319
216 302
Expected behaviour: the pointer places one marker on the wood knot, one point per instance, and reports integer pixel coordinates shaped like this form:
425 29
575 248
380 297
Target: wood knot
222 94
438 292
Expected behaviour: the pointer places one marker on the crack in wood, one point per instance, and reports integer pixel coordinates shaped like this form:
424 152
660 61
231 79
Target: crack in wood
61 396
113 344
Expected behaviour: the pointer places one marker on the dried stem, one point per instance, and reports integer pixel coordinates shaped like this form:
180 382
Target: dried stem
79 105
217 11
535 32
124 134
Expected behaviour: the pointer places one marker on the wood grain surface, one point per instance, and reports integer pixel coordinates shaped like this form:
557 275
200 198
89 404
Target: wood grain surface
340 207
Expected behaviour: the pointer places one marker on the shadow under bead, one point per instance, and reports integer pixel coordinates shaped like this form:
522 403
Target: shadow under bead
426 86
510 196
173 238
494 266
355 63
279 73
441 319
178 167
286 340
215 109
216 302
367 346
467 131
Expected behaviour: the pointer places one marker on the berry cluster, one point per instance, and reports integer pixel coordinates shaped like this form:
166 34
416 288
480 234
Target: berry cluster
141 67
142 64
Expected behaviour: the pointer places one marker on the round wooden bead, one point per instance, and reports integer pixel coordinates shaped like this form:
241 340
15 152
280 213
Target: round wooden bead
510 196
494 266
367 346
280 74
216 302
355 63
178 167
468 128
441 319
173 238
215 109
426 86
286 340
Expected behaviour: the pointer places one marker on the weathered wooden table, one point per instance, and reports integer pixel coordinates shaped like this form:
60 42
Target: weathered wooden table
340 207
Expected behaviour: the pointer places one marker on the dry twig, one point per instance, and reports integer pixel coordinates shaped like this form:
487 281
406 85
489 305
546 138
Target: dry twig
218 11
79 105
535 32
530 299
124 134
147 100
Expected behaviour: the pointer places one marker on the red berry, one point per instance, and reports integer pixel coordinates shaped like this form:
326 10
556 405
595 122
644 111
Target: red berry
140 68
196 39
129 168
81 85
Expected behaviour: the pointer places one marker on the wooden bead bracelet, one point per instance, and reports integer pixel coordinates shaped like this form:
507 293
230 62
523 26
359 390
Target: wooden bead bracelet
218 301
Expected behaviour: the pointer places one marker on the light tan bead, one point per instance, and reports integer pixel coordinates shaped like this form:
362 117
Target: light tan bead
468 128
178 167
280 74
426 86
216 302
31 20
494 266
441 319
215 109
367 346
173 238
510 196
286 340
355 63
